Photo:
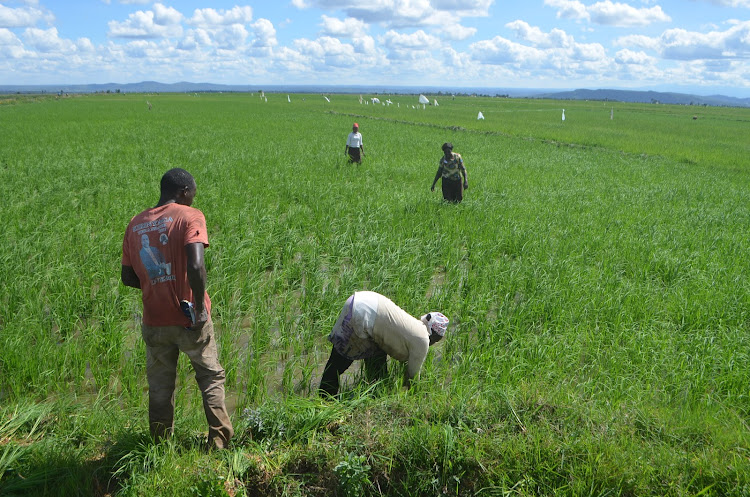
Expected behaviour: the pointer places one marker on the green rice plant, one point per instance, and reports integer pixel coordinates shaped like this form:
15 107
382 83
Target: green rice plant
595 277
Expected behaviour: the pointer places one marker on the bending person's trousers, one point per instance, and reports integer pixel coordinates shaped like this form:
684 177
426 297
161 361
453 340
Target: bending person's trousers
376 368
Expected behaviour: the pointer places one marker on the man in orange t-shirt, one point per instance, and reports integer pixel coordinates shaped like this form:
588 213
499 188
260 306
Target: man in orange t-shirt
163 256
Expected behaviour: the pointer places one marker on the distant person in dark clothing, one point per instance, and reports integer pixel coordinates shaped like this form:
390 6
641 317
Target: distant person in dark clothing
451 168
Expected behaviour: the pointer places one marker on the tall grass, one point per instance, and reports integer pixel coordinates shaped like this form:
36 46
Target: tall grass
595 277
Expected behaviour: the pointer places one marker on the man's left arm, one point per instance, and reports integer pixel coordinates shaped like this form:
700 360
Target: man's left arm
129 277
196 273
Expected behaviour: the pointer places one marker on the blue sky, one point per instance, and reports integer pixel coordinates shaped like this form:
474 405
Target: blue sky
702 45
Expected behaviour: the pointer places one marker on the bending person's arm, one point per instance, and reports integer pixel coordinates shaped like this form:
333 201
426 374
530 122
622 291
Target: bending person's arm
417 356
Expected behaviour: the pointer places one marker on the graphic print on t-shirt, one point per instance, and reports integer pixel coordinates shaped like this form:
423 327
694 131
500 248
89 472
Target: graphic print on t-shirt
158 268
153 260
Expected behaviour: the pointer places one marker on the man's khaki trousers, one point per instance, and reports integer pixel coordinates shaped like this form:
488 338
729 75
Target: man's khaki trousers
163 345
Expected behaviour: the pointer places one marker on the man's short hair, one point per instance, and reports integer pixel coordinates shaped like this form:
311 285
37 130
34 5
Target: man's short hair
175 180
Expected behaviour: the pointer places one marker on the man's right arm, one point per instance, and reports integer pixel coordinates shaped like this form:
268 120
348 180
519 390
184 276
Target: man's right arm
129 278
417 355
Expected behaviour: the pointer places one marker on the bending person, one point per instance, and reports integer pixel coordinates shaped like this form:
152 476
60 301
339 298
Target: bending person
371 327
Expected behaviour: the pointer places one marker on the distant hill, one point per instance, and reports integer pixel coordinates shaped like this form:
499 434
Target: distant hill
647 97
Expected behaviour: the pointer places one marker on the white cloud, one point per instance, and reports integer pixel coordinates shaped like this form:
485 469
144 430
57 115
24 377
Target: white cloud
327 52
46 45
292 61
140 49
534 35
23 17
166 16
638 41
213 17
457 60
458 33
46 40
624 15
629 57
499 50
265 34
8 38
85 45
590 52
719 66
420 40
542 56
365 45
409 47
608 13
230 37
162 22
223 31
326 55
404 13
556 45
194 39
349 27
11 46
230 46
731 3
468 8
680 44
569 9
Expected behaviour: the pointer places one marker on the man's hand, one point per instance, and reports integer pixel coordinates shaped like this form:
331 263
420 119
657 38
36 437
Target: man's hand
200 320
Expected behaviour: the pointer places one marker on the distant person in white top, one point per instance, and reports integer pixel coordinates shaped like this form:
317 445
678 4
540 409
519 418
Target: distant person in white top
354 148
372 327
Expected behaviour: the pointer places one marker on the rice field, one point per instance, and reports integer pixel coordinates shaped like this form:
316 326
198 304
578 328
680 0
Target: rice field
596 277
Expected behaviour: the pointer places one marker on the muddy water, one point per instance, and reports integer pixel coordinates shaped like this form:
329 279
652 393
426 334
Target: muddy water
286 365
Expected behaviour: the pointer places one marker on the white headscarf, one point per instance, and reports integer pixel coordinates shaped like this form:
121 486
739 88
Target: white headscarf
436 323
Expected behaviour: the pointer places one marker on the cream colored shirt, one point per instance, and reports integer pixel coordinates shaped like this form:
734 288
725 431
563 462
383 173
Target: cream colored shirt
395 331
